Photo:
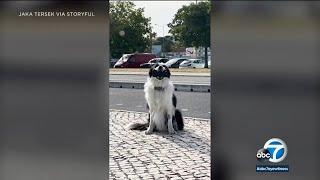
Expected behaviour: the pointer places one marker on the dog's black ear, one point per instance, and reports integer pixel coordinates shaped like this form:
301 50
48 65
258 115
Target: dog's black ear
168 71
150 71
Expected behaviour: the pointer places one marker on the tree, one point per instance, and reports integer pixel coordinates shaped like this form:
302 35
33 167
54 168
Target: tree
130 30
191 26
165 42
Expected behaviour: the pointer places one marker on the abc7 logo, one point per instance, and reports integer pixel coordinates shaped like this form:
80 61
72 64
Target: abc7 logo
274 150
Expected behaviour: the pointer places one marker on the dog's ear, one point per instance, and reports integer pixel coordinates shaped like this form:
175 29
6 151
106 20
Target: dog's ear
168 71
151 70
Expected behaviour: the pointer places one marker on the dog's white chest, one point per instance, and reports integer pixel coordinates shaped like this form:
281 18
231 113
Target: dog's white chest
158 100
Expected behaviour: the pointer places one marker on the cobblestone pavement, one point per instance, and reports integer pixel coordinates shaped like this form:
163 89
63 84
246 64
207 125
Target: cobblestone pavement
134 155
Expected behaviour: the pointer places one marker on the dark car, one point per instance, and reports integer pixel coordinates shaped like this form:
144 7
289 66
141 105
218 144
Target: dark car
112 62
133 60
153 61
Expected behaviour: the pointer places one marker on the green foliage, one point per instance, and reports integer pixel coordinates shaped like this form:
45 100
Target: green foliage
166 42
191 25
137 29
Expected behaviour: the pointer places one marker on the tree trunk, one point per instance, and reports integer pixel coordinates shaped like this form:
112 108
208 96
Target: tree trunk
205 57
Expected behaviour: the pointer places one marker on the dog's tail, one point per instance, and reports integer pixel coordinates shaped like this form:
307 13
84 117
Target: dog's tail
179 119
138 126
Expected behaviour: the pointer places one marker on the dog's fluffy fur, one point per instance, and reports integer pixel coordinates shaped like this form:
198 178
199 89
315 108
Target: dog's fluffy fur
161 103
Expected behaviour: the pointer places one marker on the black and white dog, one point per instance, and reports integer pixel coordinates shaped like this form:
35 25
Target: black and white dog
161 103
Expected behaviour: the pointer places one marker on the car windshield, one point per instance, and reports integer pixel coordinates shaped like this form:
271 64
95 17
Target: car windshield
124 58
172 60
196 60
163 60
180 60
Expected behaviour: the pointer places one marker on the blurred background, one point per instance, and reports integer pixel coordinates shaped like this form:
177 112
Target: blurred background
266 81
53 92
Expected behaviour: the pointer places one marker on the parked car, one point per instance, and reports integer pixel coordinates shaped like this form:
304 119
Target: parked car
192 63
153 61
175 62
133 60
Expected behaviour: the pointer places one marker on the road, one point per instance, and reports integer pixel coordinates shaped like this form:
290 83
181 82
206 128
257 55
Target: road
191 104
175 79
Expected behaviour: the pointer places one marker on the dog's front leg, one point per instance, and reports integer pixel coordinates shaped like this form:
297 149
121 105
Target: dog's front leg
170 124
151 123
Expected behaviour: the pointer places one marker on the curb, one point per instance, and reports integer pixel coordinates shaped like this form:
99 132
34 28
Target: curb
174 74
178 86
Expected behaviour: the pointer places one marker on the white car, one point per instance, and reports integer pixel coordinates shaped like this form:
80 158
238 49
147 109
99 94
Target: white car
192 63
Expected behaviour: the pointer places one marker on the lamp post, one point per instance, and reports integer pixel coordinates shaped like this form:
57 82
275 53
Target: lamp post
122 34
150 40
162 46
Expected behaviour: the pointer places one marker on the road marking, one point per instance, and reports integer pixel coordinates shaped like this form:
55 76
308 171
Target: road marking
184 109
139 106
119 104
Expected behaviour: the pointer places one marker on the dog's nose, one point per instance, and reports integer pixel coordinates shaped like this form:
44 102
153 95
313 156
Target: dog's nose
160 68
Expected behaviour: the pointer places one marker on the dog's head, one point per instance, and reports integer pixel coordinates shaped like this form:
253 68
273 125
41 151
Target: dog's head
159 72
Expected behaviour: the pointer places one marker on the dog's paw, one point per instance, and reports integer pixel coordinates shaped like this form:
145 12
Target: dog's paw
147 132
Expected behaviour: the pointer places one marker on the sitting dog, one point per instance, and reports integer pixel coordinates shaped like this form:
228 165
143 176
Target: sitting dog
161 103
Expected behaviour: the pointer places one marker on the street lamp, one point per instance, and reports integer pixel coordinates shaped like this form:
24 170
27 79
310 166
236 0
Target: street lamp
162 37
122 34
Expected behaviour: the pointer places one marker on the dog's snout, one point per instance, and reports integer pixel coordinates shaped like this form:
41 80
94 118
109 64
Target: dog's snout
160 68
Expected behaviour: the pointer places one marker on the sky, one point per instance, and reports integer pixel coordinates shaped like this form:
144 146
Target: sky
161 13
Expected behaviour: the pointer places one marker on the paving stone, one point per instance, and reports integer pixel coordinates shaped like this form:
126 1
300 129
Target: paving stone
134 155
